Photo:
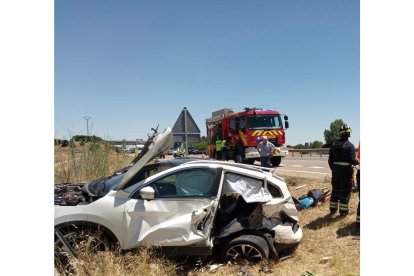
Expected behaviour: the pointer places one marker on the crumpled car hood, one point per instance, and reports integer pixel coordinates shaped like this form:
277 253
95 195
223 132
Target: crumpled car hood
161 142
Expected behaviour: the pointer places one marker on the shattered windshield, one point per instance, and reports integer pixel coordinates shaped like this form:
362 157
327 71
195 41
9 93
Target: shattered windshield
264 121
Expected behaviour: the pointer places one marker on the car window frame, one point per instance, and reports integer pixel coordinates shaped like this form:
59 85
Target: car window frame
146 169
262 180
274 185
216 185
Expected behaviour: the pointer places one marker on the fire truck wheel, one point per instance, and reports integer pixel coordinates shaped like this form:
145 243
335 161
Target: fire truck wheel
275 160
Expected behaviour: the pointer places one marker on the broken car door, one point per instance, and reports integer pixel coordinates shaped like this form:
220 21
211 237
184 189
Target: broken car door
183 201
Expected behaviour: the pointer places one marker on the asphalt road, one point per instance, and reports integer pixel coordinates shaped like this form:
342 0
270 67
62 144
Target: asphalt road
310 167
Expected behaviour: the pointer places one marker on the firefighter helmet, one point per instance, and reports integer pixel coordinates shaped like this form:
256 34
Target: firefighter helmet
345 131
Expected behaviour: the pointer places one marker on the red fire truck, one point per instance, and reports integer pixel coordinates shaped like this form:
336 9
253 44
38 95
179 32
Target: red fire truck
243 131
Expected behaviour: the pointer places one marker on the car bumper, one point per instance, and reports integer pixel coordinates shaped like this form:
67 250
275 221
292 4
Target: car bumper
288 233
253 153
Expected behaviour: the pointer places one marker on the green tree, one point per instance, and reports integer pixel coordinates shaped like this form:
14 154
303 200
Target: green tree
299 146
333 133
316 144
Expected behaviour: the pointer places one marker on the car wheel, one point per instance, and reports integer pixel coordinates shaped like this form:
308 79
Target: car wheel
246 247
83 241
275 160
80 241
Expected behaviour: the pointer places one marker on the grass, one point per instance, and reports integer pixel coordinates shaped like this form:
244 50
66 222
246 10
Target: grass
330 246
88 162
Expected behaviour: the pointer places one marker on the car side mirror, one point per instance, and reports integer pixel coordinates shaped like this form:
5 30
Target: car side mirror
286 117
147 193
286 124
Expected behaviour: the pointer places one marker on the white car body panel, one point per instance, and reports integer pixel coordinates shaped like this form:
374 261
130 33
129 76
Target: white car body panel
182 221
164 221
107 211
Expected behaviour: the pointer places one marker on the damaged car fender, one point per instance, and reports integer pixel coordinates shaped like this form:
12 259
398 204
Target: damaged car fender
96 213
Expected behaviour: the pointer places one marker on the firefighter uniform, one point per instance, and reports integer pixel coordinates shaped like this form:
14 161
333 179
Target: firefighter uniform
224 150
218 148
341 159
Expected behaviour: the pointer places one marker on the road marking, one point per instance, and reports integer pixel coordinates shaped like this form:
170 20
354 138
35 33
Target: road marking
298 166
316 167
302 172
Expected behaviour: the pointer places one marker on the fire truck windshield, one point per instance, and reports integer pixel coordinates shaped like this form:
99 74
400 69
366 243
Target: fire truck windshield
264 121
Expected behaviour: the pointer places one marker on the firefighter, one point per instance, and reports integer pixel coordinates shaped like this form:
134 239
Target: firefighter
224 150
218 148
341 159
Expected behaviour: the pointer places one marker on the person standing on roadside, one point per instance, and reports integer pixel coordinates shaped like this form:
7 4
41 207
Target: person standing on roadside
224 150
341 158
218 148
265 149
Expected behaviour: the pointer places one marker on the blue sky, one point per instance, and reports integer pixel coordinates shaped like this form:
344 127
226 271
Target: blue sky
133 64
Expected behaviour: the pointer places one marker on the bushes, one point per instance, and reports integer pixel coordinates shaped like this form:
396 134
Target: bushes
86 138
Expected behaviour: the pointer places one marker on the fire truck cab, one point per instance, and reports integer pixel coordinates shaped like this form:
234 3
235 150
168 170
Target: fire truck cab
243 131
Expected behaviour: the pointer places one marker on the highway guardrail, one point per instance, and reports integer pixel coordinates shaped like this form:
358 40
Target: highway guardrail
319 152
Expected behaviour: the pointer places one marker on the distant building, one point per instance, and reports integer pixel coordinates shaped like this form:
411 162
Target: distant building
193 132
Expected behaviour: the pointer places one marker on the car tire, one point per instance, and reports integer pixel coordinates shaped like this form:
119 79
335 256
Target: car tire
84 240
246 247
81 241
276 160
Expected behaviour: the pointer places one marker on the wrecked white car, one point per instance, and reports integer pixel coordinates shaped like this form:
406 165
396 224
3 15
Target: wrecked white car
197 208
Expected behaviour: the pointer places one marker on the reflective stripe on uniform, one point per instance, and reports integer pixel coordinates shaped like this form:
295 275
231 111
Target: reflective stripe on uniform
342 163
334 204
343 206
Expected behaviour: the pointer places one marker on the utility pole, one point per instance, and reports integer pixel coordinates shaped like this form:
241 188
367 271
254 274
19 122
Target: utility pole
87 124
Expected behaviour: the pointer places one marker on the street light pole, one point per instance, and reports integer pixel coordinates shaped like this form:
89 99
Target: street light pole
87 118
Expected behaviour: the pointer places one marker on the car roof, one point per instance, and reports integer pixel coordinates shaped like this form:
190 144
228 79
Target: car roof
226 163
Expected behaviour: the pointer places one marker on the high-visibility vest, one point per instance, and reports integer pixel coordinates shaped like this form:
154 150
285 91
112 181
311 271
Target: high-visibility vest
218 145
224 144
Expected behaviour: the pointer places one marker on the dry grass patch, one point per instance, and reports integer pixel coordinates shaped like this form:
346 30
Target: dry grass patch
108 263
330 246
88 162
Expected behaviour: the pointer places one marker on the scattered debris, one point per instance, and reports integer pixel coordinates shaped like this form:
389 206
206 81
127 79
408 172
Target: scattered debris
312 198
266 270
285 257
307 273
244 272
324 260
301 186
213 268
